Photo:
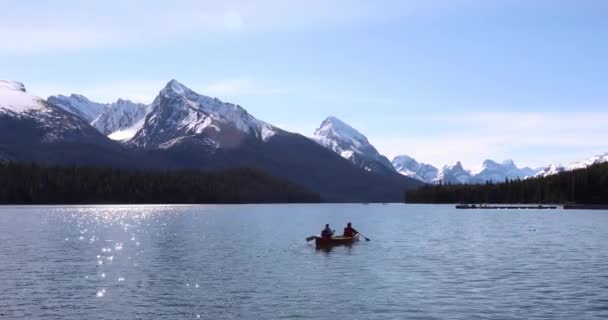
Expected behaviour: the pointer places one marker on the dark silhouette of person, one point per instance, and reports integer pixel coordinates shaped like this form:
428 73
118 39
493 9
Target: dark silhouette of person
327 232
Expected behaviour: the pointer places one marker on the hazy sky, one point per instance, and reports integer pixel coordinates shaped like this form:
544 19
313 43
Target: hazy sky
438 80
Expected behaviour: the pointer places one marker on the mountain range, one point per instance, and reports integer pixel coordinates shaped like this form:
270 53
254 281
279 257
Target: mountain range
184 129
557 168
456 173
352 145
181 129
489 171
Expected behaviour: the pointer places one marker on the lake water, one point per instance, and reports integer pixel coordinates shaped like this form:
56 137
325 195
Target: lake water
252 262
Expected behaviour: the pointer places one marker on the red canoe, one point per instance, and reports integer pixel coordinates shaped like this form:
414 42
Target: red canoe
336 241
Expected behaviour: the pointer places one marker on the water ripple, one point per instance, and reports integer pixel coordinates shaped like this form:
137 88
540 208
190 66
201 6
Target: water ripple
251 262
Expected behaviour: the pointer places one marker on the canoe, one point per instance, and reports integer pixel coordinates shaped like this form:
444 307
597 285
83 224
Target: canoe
336 241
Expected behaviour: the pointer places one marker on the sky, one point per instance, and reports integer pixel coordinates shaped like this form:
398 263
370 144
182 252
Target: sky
438 80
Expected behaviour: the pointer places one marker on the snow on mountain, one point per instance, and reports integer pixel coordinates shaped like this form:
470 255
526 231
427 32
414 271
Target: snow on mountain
78 105
498 172
121 115
453 174
179 114
557 168
112 119
551 170
409 167
601 158
489 171
349 143
42 121
11 85
14 99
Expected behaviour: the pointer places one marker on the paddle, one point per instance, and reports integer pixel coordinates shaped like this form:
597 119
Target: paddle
366 239
310 238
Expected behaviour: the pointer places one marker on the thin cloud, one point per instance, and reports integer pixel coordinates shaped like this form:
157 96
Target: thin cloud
65 25
145 91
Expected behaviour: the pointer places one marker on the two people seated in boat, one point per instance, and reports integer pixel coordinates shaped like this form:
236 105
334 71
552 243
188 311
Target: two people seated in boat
349 231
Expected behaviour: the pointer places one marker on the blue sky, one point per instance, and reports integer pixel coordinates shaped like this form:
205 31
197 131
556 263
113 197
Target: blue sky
439 80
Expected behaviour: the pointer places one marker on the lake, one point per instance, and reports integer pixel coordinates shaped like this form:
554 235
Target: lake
252 262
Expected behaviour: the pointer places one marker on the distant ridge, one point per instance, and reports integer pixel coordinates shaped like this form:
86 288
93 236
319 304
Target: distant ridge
457 174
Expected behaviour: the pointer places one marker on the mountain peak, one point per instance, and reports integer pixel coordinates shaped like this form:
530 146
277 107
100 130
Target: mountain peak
79 97
12 85
408 166
453 174
179 112
489 162
404 158
334 119
336 135
508 162
333 122
332 127
14 98
176 87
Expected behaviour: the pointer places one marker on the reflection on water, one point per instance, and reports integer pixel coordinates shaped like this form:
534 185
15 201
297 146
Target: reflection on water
328 249
251 262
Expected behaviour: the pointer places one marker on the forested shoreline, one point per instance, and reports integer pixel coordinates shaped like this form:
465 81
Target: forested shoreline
35 184
582 186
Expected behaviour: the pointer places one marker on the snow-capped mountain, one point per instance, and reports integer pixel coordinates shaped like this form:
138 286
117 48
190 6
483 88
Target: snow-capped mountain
600 158
557 168
350 144
34 130
551 170
49 122
456 173
15 100
409 167
111 119
78 105
453 174
498 172
203 132
179 114
119 116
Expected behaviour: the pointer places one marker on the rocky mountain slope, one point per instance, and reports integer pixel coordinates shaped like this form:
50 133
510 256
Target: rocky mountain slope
350 144
112 119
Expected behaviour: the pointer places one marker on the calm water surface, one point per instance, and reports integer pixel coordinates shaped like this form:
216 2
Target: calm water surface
252 262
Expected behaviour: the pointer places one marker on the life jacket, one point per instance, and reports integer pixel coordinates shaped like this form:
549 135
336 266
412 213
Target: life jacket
348 232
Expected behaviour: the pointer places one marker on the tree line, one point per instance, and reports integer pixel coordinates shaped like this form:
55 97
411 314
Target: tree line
582 186
35 184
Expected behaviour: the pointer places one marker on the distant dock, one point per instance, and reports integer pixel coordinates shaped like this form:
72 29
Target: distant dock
511 207
586 206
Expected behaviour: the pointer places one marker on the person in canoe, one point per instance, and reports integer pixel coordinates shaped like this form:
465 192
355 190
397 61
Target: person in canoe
327 232
349 231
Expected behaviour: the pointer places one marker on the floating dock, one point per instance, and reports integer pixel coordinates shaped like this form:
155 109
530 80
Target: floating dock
483 206
586 206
